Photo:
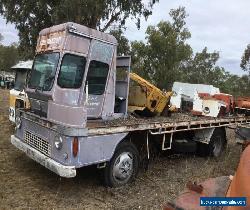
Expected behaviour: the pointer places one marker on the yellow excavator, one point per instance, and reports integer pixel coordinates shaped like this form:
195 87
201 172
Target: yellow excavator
147 100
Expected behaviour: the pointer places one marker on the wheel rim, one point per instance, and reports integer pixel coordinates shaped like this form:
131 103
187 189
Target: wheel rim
123 167
217 146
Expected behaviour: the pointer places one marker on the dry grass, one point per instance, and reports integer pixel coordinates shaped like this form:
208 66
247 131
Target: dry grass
25 184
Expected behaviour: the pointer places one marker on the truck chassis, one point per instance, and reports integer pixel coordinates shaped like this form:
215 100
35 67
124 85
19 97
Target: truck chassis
100 140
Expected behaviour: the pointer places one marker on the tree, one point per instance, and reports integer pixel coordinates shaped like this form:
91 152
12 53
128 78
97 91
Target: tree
202 68
1 37
245 60
123 47
160 59
237 85
32 16
166 57
8 57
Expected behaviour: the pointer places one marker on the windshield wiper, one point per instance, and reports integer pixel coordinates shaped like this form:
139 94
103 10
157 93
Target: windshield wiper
48 79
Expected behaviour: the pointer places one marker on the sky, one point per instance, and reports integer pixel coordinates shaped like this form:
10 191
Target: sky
221 25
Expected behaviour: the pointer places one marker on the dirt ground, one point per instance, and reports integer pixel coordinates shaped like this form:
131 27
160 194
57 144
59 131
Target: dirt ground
24 184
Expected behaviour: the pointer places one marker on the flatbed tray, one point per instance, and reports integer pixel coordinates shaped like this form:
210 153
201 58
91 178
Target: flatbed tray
176 122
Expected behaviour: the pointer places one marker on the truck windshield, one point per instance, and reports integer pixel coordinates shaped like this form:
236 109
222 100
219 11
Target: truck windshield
43 71
20 79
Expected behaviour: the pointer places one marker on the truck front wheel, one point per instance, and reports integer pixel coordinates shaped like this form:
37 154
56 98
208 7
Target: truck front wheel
123 167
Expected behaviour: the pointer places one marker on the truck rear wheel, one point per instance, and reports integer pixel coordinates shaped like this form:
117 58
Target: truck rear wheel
216 145
123 167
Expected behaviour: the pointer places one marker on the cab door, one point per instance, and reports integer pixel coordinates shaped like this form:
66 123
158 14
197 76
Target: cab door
99 78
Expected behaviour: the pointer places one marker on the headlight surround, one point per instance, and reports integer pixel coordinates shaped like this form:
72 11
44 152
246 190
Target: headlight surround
206 110
58 142
18 122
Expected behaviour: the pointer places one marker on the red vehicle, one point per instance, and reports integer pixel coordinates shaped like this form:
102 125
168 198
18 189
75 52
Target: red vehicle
228 100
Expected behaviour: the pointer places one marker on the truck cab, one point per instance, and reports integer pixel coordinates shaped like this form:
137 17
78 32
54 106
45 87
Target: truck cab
18 97
74 73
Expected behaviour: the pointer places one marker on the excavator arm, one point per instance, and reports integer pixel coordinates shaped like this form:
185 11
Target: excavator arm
145 96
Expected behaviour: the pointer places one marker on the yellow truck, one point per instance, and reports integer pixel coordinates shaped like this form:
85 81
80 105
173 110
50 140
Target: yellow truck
18 97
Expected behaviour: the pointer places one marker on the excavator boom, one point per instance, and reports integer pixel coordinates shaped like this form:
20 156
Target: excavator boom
144 96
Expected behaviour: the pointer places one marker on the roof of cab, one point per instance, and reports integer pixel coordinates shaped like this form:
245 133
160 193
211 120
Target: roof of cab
81 30
23 65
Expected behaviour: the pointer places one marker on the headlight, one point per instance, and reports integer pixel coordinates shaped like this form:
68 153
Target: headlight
18 122
58 142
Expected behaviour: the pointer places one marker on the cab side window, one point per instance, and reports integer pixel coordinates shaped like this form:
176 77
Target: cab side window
97 77
72 71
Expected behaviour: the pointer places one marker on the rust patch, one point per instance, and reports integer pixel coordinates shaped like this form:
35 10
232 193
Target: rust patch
190 198
194 187
51 41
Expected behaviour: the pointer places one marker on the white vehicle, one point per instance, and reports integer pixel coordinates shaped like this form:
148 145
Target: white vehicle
18 97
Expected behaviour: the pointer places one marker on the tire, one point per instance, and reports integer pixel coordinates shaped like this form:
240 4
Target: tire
216 146
123 166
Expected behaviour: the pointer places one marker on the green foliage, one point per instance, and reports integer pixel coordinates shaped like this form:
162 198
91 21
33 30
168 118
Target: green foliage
123 47
160 59
30 17
245 60
236 85
202 68
8 57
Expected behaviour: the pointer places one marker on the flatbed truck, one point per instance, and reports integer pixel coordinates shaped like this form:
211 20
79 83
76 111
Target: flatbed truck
78 116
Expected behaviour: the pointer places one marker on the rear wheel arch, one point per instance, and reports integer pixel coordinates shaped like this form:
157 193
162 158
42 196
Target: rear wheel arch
216 145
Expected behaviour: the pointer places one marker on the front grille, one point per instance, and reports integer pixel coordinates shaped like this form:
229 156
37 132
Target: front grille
37 143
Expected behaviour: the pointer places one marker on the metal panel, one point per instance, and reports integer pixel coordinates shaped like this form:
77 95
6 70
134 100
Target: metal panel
204 135
23 65
102 52
98 149
71 116
77 44
189 89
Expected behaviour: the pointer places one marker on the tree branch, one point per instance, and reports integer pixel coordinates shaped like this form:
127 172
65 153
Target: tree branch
112 19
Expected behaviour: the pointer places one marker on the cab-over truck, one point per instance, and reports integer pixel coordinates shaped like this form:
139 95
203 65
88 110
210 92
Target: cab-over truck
78 116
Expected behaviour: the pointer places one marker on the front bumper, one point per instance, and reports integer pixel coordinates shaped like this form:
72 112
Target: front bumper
58 168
